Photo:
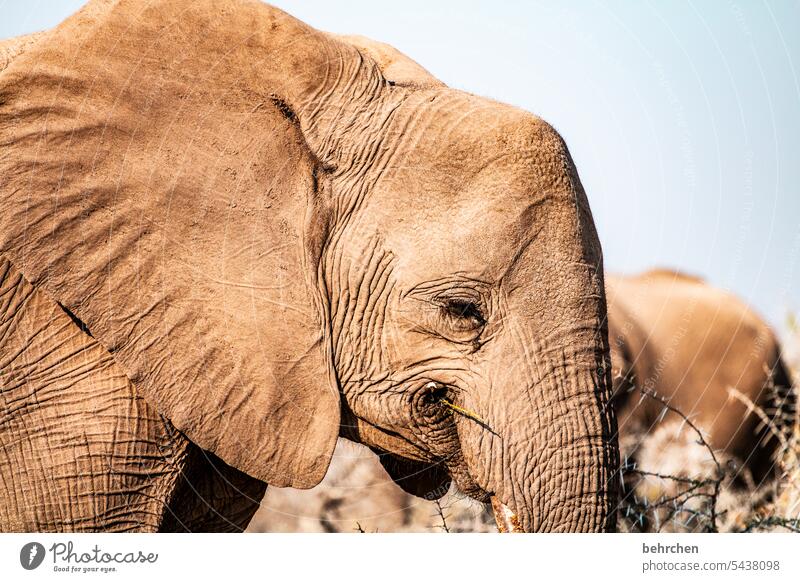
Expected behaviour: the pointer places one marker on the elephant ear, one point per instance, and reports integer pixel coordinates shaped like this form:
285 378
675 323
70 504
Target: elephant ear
153 184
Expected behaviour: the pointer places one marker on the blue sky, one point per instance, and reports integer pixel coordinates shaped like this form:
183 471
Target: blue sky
682 117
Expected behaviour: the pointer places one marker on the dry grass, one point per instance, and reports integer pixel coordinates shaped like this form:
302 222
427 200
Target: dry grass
680 487
783 513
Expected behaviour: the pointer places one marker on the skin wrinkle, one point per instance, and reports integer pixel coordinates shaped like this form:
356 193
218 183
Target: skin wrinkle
453 184
374 324
367 297
117 478
316 122
563 359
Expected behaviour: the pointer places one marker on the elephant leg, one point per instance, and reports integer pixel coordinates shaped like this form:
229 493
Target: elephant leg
212 496
80 450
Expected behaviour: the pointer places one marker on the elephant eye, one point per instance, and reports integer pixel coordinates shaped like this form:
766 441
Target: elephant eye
464 310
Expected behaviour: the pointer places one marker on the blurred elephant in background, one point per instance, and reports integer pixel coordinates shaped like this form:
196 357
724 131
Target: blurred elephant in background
228 242
709 356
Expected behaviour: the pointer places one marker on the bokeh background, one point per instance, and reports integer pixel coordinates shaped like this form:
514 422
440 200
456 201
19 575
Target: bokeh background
682 117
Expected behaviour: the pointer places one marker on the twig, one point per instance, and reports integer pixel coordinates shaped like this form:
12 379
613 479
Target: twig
440 512
467 413
694 488
686 419
720 473
792 524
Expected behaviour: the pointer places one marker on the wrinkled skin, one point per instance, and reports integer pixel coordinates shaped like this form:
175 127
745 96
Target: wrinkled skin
128 468
688 343
276 244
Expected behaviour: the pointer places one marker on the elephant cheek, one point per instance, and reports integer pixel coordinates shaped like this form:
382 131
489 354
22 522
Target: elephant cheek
427 480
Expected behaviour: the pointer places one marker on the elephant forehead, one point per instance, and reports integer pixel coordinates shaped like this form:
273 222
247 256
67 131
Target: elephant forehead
469 134
478 230
468 184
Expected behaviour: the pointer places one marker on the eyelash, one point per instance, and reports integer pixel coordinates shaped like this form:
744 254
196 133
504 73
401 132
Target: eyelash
464 309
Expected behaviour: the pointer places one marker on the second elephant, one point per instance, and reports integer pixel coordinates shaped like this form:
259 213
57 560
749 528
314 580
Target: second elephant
708 355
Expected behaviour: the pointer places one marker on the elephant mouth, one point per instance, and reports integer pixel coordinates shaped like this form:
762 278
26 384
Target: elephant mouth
507 521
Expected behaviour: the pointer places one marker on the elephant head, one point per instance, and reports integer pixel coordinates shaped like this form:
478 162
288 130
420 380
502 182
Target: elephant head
278 244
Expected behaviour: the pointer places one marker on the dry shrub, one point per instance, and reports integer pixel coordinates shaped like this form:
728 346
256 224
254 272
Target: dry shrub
681 484
677 482
783 513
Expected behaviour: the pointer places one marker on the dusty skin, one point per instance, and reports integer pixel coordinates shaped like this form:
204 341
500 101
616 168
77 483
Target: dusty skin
229 239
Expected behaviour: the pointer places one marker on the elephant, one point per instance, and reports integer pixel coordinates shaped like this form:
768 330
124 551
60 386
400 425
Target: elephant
690 344
228 240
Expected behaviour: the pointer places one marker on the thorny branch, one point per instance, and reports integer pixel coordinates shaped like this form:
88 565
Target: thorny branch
792 524
440 513
676 504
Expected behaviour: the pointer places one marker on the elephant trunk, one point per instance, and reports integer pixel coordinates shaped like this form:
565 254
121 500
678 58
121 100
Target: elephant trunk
551 457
